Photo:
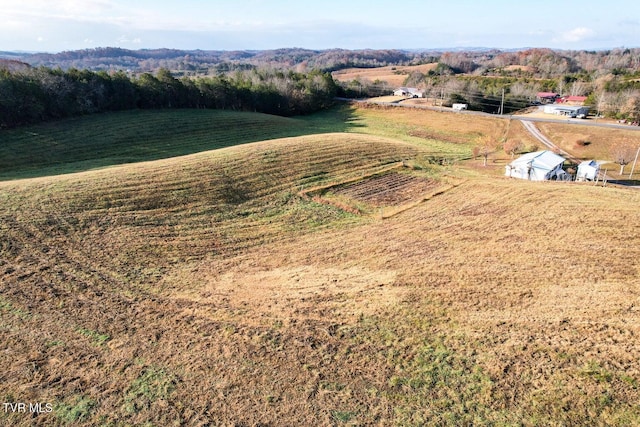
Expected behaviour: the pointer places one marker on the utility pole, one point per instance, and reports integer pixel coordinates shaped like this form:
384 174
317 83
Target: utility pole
634 162
502 103
599 105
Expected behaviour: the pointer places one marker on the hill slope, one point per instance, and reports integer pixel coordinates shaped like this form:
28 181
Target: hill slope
204 289
100 140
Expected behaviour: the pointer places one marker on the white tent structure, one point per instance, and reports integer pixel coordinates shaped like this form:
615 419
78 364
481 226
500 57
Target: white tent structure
537 166
588 170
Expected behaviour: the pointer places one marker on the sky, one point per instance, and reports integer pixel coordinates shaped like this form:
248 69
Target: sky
60 25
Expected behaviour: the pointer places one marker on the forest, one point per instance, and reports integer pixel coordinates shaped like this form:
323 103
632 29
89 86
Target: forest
31 95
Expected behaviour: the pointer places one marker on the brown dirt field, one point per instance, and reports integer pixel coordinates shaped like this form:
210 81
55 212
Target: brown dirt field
390 189
389 98
393 75
530 312
303 291
519 68
202 291
430 102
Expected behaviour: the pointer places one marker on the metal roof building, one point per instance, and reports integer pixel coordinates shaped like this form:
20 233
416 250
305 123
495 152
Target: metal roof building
537 166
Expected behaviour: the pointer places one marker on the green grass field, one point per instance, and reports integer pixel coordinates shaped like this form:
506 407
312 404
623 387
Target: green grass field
205 289
97 141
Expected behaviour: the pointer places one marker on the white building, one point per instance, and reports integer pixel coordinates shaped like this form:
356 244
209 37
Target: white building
588 170
537 166
566 110
408 91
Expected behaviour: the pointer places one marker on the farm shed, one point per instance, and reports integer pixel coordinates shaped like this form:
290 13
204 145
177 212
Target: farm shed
537 166
588 170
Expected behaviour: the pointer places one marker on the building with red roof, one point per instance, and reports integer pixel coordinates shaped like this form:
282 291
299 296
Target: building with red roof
546 97
572 100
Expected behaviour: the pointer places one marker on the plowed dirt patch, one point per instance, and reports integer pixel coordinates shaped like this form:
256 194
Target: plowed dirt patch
387 190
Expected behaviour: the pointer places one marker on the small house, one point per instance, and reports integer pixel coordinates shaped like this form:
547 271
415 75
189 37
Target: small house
588 171
537 166
408 91
573 100
546 97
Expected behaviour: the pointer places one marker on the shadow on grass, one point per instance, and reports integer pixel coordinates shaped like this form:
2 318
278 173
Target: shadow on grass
625 182
108 139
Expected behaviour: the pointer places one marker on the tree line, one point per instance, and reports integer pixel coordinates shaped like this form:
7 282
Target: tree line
31 95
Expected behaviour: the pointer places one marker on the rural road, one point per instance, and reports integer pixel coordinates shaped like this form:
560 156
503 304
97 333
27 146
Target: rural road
533 130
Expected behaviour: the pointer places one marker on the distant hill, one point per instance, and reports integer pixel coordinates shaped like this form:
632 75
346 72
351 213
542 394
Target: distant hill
13 65
10 55
545 62
143 60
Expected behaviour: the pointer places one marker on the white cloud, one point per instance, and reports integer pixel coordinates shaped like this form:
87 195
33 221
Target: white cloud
126 40
60 12
73 7
576 35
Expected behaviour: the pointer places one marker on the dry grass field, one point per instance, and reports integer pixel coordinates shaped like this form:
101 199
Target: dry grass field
394 76
448 133
204 290
524 68
590 142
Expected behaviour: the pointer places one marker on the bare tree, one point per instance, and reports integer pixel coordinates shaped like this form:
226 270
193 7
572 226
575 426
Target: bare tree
578 88
618 100
512 146
623 153
560 86
600 100
632 107
523 90
486 146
